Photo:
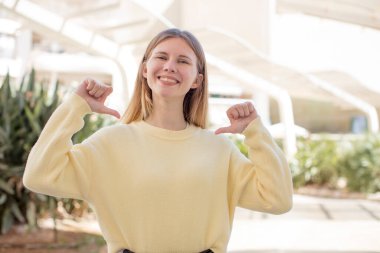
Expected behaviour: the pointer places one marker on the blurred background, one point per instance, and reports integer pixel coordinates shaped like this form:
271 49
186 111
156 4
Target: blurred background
311 67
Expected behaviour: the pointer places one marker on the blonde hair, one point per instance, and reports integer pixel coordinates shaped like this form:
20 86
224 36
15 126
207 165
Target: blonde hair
195 103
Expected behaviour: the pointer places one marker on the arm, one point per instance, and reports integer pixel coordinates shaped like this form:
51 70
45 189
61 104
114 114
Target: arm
263 182
55 166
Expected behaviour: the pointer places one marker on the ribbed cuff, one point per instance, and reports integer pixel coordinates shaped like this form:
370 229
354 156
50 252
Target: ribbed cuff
253 127
80 105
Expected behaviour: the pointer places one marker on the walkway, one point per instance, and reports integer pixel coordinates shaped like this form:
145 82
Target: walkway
314 225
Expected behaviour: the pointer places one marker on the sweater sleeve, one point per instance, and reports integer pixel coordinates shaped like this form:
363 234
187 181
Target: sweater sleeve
55 166
263 182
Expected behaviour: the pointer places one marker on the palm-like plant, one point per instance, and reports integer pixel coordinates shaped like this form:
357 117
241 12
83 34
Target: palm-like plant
23 114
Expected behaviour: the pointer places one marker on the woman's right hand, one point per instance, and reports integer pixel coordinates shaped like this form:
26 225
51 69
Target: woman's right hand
95 93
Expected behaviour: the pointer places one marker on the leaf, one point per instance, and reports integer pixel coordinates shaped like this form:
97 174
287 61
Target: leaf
38 108
6 221
30 85
42 197
21 86
31 214
3 198
3 135
32 121
55 92
5 187
5 89
17 213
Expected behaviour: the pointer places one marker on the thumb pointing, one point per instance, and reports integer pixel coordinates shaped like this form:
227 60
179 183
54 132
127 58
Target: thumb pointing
223 130
110 111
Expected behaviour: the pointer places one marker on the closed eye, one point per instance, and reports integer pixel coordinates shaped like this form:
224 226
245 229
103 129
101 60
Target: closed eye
161 57
183 61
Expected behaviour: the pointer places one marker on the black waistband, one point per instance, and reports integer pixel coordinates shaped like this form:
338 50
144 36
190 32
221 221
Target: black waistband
205 251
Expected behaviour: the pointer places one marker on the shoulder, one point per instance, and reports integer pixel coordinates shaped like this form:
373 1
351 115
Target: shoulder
221 140
113 133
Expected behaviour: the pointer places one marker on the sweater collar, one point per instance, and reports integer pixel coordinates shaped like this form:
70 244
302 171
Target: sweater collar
166 133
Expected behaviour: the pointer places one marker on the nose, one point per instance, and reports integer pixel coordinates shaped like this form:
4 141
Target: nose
170 66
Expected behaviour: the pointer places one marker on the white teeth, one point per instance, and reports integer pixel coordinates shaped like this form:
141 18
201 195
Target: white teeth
165 79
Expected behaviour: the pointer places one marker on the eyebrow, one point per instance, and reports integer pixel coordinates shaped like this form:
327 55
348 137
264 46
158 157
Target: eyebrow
181 55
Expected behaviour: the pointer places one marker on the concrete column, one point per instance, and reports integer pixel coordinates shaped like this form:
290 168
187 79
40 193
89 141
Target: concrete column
23 51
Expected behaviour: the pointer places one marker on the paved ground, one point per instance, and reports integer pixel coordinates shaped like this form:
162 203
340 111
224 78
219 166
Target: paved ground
314 225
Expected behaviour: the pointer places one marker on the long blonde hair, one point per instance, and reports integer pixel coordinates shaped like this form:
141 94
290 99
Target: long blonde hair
195 103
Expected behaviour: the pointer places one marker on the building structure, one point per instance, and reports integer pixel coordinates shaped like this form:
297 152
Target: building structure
70 40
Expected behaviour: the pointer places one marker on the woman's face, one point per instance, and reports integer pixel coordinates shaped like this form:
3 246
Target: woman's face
171 70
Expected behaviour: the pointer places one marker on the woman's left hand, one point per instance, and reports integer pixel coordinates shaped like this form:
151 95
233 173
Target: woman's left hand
240 115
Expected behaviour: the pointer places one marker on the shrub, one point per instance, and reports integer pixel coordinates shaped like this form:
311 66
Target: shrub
315 162
23 113
239 142
360 164
323 160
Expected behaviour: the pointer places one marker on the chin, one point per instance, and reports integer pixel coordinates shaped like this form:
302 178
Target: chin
169 95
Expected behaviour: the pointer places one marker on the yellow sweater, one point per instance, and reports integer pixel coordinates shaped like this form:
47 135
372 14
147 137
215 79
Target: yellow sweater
157 190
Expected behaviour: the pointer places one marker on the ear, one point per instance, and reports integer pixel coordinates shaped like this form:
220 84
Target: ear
197 81
145 71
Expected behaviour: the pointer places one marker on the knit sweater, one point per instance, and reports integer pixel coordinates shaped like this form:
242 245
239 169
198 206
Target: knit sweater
156 190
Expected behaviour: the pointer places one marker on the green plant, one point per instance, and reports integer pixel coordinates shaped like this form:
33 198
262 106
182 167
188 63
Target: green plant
360 164
19 128
321 161
324 159
315 162
239 142
24 110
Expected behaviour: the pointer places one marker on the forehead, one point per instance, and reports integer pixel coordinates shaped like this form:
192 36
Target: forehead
176 46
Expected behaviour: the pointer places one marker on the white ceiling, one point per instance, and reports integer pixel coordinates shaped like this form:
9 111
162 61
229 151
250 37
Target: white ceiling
359 12
127 22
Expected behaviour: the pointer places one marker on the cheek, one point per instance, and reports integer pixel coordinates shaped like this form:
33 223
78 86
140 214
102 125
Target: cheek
189 73
151 67
193 76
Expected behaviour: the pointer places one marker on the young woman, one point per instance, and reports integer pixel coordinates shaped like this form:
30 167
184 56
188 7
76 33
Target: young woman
160 182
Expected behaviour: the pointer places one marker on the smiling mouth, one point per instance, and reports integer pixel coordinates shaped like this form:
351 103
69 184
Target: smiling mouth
168 79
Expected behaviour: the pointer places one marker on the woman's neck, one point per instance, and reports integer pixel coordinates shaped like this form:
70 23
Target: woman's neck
167 115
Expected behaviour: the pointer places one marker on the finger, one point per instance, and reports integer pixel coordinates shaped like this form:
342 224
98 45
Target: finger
106 93
246 109
110 111
240 109
232 113
251 107
108 90
223 130
94 89
90 84
100 92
